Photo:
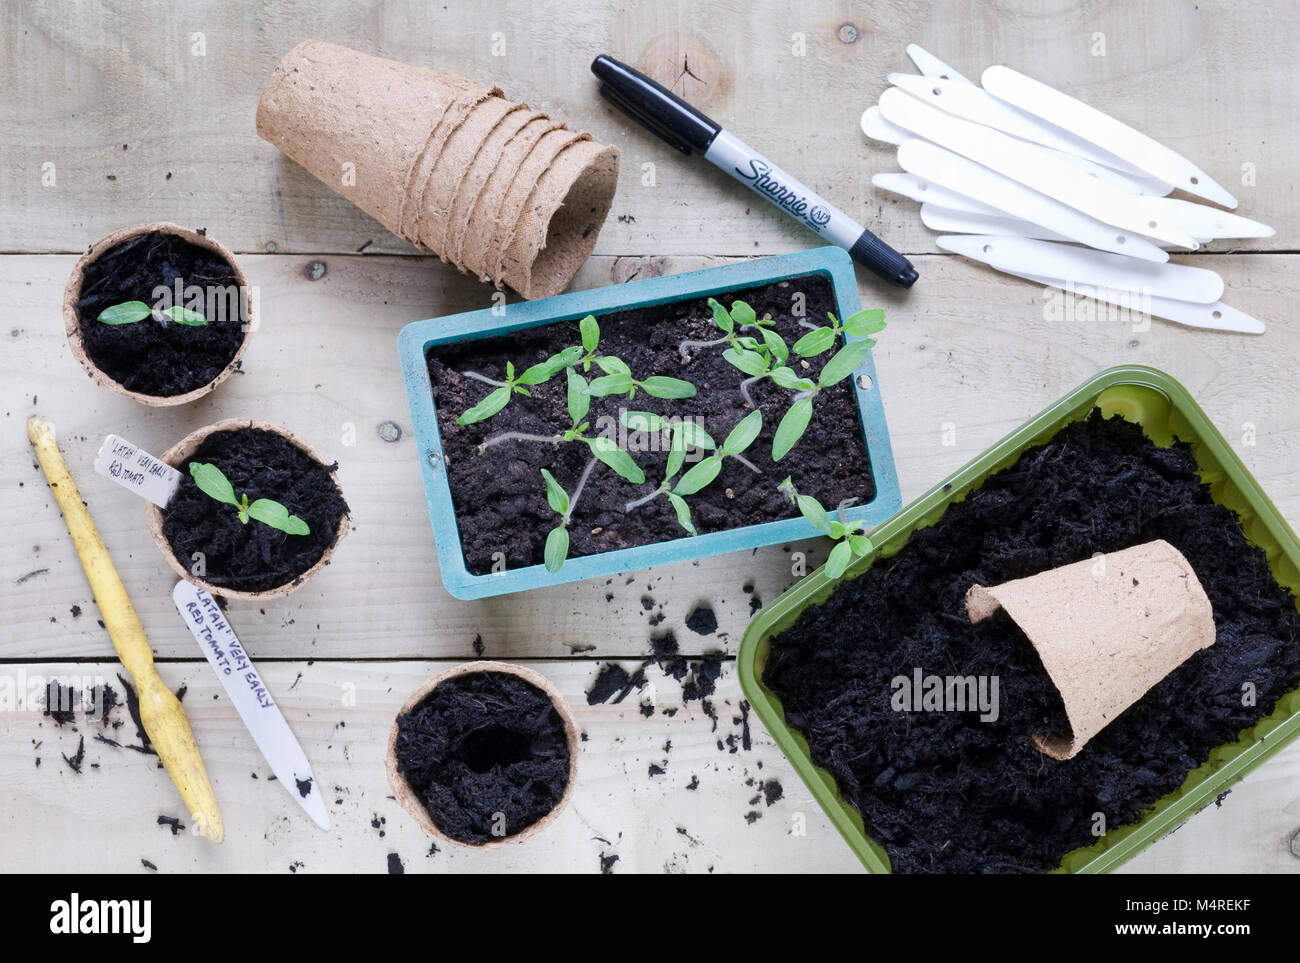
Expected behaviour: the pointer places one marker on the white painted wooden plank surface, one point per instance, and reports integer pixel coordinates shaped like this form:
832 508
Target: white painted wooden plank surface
137 124
651 823
138 127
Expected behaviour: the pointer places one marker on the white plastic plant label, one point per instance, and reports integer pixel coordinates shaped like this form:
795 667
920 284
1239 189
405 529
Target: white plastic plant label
250 697
136 470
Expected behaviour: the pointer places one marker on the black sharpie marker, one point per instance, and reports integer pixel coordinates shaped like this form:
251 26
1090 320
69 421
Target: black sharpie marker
682 126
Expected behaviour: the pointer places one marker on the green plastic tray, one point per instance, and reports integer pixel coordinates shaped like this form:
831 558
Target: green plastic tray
1166 413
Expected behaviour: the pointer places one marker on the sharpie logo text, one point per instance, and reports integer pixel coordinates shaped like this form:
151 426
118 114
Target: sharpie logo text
761 177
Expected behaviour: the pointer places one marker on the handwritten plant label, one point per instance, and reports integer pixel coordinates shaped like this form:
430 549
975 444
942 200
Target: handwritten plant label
250 697
225 653
136 470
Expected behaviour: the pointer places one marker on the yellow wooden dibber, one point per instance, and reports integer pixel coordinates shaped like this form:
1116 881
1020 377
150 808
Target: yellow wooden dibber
161 712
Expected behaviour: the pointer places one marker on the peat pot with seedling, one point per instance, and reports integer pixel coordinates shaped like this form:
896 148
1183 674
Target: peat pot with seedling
1125 462
651 422
257 511
158 313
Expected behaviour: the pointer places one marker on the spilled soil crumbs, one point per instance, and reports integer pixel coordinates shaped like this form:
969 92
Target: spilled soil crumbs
698 675
945 792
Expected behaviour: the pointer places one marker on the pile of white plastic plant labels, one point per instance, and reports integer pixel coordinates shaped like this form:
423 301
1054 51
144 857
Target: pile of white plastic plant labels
1042 186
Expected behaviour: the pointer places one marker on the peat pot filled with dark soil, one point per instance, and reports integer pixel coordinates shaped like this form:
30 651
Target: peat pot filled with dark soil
158 313
651 422
856 677
257 512
484 754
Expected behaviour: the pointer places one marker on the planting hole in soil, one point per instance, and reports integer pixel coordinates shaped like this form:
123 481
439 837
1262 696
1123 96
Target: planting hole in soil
273 518
954 791
485 753
160 315
628 379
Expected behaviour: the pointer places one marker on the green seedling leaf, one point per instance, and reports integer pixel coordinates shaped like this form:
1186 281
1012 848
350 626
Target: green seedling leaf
683 512
616 458
615 384
661 386
844 363
776 345
793 424
272 513
751 344
578 399
863 323
839 560
642 421
743 435
676 454
590 332
267 511
541 372
296 526
811 509
213 483
488 407
510 372
788 379
556 496
566 358
861 545
699 476
694 436
743 313
838 530
750 362
536 375
815 342
128 312
611 365
557 548
191 319
721 318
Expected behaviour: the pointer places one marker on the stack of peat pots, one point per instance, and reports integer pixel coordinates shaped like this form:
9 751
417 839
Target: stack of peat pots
496 188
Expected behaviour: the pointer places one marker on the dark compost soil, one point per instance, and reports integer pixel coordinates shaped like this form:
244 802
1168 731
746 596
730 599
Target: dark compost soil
481 744
499 495
945 792
254 557
157 357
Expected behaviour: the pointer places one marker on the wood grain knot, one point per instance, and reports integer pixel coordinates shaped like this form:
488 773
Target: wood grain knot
686 64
